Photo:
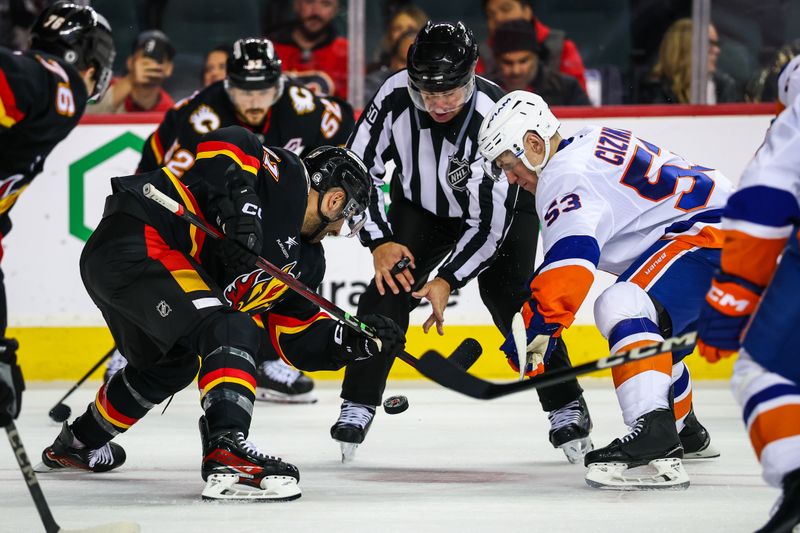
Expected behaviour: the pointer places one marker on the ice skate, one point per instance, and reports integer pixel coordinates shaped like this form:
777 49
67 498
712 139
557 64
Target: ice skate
785 516
67 453
234 469
352 427
569 430
695 439
280 383
647 458
116 363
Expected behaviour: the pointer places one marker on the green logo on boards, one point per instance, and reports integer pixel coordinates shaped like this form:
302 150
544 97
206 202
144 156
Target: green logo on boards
77 178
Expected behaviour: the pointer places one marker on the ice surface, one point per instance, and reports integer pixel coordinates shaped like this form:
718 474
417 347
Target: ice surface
449 463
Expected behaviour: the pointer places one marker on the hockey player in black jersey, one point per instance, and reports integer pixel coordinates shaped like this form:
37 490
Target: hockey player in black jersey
446 210
169 293
43 93
280 112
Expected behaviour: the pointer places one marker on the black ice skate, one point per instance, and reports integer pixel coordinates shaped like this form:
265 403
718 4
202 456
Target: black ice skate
64 454
695 439
569 430
234 469
653 442
280 383
351 428
786 513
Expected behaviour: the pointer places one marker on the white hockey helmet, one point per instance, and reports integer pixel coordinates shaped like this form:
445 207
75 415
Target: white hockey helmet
504 128
789 82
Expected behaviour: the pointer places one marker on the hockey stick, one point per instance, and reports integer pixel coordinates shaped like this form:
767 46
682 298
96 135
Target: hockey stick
32 482
290 281
60 411
437 368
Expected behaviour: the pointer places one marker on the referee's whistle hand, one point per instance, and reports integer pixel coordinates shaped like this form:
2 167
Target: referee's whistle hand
384 258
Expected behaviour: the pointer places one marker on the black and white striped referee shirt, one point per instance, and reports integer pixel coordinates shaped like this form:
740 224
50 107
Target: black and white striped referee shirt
440 169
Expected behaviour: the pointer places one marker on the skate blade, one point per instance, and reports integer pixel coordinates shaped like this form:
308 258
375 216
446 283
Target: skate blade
669 475
575 450
348 451
273 396
273 489
709 452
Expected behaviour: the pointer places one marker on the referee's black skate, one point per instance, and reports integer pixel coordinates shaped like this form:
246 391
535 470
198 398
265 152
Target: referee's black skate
235 469
570 427
695 439
628 463
786 513
280 383
68 453
352 427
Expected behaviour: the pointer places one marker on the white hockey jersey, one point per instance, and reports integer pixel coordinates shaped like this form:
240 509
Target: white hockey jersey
603 199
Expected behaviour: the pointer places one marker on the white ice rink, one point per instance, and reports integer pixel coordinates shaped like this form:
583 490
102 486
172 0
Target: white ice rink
449 463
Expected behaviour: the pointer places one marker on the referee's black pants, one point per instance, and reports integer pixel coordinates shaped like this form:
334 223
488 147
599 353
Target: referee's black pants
504 287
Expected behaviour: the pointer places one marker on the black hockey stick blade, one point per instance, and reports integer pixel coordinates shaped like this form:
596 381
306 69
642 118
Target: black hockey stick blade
445 373
466 354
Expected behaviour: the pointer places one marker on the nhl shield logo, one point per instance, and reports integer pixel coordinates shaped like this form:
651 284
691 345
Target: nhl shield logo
163 308
458 173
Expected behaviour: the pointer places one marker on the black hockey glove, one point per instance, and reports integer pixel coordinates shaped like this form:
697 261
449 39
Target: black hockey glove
11 382
240 219
359 346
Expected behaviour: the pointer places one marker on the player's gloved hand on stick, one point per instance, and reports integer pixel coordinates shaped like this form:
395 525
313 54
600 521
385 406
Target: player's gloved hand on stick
11 382
539 342
240 219
359 346
729 304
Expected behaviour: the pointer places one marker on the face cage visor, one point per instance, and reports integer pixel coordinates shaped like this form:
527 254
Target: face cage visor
352 213
441 102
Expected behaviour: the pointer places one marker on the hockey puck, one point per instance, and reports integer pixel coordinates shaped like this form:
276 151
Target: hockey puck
395 404
60 412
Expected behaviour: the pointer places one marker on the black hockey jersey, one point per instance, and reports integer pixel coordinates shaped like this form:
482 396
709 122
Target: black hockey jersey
42 99
299 122
281 182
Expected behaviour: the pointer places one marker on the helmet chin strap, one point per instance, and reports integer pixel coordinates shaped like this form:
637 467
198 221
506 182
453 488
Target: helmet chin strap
538 168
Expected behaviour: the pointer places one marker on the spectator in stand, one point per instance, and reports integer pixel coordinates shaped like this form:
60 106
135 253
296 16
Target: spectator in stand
149 65
562 53
671 79
405 19
763 87
311 51
522 65
215 65
397 61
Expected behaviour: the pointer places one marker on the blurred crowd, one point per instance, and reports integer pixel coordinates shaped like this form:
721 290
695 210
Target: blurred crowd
571 53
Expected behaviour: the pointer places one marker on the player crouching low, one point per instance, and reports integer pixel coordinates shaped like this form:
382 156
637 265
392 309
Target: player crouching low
613 202
169 293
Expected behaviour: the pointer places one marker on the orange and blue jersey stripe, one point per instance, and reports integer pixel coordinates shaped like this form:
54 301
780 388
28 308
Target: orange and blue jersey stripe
565 277
758 221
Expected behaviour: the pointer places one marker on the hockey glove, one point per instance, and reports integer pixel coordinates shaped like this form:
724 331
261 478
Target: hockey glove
729 304
240 219
540 341
359 347
11 382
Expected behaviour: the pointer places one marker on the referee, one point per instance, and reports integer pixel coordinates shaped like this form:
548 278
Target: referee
426 121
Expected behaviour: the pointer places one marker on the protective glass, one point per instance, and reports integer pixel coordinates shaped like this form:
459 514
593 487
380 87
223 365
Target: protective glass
441 102
505 162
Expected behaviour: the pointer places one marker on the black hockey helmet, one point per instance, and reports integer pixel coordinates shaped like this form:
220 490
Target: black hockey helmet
79 35
442 58
333 166
253 64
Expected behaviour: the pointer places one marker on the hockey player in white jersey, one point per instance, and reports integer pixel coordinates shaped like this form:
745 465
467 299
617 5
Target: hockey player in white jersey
761 223
611 201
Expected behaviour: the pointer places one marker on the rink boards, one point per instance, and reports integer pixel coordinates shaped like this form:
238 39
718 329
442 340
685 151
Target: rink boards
61 333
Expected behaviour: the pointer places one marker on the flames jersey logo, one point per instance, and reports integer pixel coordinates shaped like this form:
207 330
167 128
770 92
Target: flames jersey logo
256 291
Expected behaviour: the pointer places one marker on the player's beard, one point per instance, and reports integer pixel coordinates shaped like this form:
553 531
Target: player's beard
313 35
254 116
